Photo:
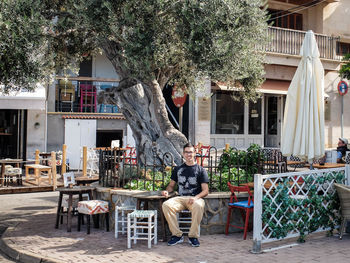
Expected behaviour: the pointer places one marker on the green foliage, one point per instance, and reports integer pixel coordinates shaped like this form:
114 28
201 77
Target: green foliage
162 40
344 71
283 205
234 157
236 166
153 181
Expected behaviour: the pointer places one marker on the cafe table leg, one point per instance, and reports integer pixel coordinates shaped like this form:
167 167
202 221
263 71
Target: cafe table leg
37 176
2 174
70 204
58 210
160 205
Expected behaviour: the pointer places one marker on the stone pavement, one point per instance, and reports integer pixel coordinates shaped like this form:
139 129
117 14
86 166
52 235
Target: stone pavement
31 237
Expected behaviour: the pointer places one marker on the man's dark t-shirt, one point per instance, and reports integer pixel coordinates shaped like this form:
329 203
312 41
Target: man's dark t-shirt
189 179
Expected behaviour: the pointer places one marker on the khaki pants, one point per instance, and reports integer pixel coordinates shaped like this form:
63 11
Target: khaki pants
177 204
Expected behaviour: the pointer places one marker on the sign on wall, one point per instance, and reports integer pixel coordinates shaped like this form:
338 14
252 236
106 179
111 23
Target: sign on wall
179 96
203 109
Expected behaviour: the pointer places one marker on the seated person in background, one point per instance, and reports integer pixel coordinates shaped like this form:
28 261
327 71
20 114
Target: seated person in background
341 149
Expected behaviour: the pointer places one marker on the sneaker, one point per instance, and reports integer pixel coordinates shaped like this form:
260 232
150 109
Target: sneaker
175 240
193 241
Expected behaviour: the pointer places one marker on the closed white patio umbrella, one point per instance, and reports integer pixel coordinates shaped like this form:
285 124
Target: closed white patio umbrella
303 125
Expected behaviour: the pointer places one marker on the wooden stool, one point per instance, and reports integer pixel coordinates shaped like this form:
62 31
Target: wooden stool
184 219
138 224
10 173
90 208
123 210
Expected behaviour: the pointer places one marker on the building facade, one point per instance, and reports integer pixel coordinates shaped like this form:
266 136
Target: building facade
69 112
239 124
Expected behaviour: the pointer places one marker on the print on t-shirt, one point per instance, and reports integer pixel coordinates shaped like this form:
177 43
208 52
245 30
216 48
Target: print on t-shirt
187 184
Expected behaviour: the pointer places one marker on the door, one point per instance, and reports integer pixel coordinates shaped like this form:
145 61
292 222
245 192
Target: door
273 117
78 133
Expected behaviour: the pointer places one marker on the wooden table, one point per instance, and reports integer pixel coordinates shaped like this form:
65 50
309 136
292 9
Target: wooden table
328 165
150 197
6 161
75 190
38 168
86 180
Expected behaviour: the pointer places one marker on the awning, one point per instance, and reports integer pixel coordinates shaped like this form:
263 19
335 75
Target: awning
270 86
274 87
24 99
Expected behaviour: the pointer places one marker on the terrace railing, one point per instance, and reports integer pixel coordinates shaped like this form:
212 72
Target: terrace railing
79 94
295 204
238 167
288 41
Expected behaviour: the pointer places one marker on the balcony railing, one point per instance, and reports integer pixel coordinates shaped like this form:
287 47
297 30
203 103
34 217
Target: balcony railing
287 41
79 94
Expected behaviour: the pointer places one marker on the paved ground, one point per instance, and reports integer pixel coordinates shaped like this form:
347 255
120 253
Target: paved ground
30 220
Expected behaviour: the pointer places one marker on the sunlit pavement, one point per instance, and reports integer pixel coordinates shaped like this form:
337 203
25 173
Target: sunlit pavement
31 237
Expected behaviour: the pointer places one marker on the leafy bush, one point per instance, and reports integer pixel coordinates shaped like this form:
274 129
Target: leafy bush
151 181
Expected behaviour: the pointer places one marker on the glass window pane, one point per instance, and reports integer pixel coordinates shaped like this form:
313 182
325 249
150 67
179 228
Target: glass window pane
255 117
229 114
272 116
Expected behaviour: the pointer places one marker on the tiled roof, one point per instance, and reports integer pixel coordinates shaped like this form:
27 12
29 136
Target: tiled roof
103 117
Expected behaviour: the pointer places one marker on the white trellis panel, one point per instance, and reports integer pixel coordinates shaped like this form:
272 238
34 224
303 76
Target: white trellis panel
297 189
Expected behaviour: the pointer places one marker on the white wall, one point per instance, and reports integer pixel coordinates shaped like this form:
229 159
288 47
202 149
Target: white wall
36 132
103 68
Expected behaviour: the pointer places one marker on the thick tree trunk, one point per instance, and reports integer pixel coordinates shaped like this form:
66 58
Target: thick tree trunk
144 108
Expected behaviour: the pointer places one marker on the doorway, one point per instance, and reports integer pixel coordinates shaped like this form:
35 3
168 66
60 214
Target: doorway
78 133
273 120
105 137
13 133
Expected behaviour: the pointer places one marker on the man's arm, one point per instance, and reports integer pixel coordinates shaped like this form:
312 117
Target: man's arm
204 193
169 188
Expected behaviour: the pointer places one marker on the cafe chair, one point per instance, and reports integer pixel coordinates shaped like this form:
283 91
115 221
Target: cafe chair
344 197
184 219
93 208
69 179
12 172
130 155
246 207
202 154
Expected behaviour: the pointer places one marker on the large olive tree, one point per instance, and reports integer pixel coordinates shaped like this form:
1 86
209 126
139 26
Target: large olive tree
149 42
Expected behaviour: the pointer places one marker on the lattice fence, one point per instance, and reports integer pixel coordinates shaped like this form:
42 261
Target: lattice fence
296 204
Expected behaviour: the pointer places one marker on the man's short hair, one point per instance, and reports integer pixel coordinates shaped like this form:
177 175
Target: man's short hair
187 145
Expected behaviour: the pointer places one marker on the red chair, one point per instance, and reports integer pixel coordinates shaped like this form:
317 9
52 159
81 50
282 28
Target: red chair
130 156
88 98
246 207
202 153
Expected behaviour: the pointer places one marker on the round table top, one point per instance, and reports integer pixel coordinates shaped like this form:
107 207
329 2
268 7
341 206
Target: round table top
76 189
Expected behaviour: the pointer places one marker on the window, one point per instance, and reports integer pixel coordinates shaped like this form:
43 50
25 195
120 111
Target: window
343 48
285 19
228 114
255 117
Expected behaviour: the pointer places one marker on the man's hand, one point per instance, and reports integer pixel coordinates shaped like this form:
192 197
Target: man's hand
192 200
165 193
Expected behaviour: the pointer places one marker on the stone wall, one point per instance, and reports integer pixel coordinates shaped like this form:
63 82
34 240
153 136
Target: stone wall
214 218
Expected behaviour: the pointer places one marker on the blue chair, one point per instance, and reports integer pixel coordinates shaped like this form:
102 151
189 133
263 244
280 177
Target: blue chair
104 87
246 207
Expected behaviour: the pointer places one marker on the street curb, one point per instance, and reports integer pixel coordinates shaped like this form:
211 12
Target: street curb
22 257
